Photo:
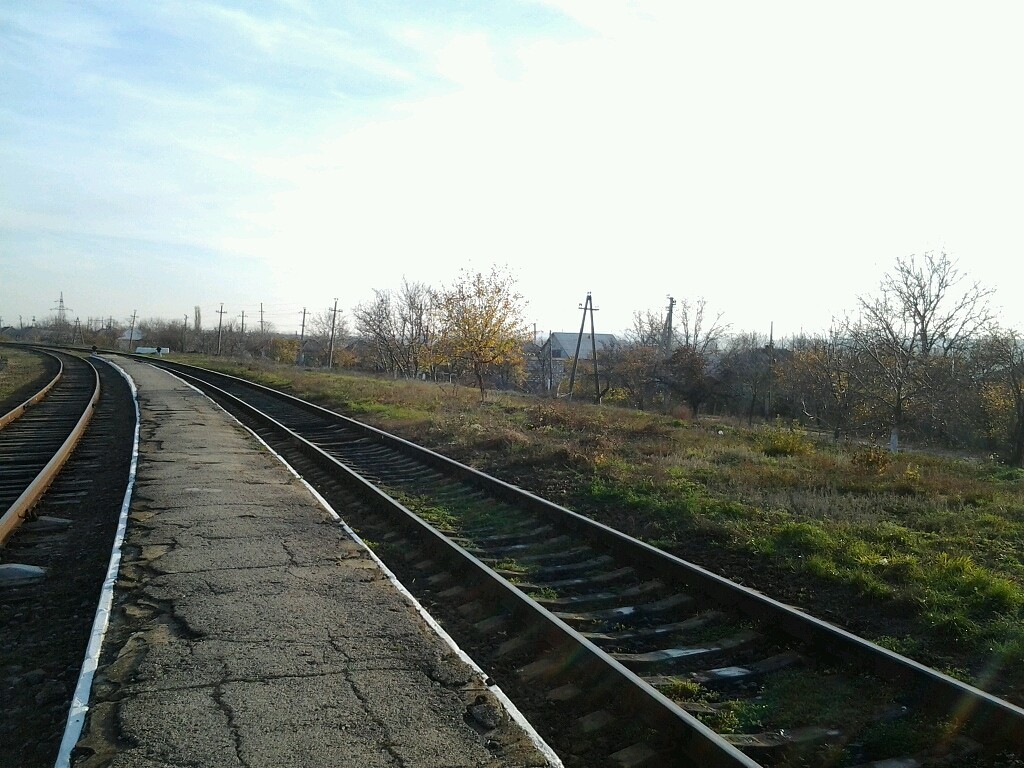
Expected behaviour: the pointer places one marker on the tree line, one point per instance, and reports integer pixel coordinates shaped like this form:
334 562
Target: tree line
923 359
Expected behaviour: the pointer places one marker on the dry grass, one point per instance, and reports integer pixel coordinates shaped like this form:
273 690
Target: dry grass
17 369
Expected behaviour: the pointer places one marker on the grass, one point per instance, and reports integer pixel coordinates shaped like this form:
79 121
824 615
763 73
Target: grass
17 369
918 551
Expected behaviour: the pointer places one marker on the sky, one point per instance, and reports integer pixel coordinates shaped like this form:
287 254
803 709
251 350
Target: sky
771 159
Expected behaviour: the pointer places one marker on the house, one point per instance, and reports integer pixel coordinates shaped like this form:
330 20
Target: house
562 345
547 363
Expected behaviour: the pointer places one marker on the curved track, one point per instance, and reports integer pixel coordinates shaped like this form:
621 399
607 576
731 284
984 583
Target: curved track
38 437
54 566
619 653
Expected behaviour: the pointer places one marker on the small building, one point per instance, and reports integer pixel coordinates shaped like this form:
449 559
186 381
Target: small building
562 345
546 366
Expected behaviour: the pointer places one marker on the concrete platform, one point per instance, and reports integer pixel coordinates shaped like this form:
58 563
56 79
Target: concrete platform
248 629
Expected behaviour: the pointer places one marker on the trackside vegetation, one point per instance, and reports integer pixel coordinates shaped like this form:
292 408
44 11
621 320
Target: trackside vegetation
19 370
922 552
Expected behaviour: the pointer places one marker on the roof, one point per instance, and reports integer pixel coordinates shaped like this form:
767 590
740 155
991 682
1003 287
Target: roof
566 341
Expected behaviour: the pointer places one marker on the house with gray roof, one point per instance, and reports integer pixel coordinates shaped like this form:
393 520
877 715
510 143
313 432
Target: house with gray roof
547 363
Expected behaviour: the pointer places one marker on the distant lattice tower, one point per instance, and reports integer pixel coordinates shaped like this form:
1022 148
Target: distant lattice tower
61 310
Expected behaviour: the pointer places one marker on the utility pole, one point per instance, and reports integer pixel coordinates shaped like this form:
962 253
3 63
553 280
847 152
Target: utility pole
551 362
771 369
184 333
131 331
334 320
74 334
243 325
220 325
261 318
586 307
666 338
302 339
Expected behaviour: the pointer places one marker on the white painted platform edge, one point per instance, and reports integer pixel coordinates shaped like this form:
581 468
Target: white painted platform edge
80 700
536 739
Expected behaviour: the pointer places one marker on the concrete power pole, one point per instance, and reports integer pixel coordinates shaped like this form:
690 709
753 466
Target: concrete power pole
666 339
586 307
334 321
301 358
131 331
220 325
771 370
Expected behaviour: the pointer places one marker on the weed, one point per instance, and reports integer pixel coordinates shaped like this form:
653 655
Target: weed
544 593
681 689
511 565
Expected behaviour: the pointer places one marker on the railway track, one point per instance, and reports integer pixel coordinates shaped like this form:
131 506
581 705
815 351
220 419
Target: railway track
618 653
38 436
55 559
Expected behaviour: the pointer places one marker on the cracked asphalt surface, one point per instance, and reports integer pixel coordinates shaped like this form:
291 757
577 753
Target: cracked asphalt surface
249 630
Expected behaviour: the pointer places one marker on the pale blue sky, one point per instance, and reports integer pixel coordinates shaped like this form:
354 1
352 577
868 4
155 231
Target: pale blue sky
774 158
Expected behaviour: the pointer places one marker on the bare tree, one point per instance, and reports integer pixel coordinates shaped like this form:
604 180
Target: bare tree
918 315
690 370
816 376
321 328
635 366
931 307
999 368
695 330
745 371
397 326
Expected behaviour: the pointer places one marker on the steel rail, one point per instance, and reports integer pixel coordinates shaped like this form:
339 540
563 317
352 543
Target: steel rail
17 411
693 742
998 721
18 511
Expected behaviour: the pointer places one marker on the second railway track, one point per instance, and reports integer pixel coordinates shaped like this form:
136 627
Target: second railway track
619 653
56 558
37 437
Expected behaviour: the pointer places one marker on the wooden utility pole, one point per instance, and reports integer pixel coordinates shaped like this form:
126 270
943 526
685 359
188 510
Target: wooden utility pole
334 320
302 339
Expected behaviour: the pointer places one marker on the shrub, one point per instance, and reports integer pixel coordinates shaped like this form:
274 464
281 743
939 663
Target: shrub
872 458
778 440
